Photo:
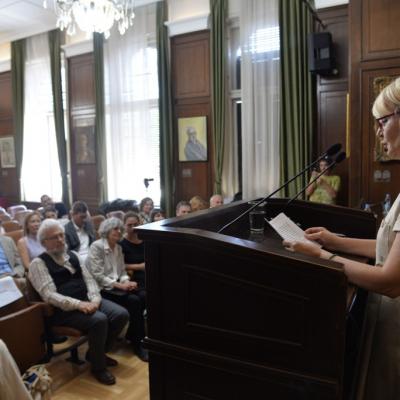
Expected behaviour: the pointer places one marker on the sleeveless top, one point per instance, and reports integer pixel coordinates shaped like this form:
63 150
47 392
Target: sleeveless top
35 249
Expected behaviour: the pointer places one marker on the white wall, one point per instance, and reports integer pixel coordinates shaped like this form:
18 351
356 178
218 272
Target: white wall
182 9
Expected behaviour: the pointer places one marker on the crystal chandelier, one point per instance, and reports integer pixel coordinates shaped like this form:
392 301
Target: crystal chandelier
93 15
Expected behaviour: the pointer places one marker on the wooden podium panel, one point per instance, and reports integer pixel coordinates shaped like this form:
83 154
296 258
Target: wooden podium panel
233 316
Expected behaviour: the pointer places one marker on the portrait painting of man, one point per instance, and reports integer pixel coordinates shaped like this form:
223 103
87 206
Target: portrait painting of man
192 134
7 152
84 145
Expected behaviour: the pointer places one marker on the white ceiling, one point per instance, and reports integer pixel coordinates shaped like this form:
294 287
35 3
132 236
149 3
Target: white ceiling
23 18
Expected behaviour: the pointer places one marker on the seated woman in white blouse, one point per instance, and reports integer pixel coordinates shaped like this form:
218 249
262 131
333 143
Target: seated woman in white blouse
105 262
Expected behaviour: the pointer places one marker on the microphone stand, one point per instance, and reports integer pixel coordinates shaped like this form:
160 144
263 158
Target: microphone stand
277 190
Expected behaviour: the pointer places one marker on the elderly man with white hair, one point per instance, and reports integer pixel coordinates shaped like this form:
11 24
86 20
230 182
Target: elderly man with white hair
216 200
61 281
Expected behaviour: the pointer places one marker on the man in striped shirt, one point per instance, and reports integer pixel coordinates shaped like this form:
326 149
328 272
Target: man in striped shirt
61 281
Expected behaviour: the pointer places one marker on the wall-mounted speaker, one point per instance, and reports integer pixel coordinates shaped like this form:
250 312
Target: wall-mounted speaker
321 59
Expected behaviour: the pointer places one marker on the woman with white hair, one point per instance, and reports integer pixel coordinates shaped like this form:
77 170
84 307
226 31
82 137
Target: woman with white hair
105 261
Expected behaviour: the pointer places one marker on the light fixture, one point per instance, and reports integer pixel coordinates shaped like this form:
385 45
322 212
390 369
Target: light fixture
93 15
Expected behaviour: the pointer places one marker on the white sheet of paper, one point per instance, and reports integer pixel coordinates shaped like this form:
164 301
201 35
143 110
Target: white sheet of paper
288 230
9 291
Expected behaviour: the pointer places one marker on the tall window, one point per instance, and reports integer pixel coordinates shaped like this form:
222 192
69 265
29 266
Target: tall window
131 101
40 168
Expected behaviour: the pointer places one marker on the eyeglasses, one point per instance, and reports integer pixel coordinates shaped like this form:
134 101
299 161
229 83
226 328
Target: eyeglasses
382 121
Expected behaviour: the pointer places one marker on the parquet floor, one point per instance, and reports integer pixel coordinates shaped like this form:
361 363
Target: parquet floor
72 382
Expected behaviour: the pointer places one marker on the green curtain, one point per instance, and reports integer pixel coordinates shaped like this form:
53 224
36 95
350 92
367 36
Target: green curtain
165 112
17 78
100 131
55 64
218 73
296 97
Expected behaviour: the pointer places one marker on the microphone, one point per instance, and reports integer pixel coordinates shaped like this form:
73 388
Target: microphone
330 152
146 181
339 158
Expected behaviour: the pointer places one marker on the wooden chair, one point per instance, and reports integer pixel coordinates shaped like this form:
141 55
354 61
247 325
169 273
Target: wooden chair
19 216
10 226
22 330
13 209
57 330
15 235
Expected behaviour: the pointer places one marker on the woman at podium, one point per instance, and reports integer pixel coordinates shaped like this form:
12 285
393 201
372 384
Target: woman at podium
384 370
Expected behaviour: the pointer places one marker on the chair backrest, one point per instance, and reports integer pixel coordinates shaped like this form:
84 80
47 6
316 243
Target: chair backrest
5 217
116 214
15 235
10 226
22 329
13 209
19 216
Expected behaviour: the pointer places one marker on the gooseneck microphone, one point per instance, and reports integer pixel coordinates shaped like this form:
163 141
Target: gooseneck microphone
328 153
339 158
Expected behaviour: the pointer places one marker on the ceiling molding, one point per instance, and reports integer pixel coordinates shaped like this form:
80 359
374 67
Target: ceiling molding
187 25
76 49
5 66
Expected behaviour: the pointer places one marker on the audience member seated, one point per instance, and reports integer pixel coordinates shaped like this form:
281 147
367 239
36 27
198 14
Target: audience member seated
326 187
79 231
133 250
216 200
46 200
49 212
183 208
157 215
10 261
11 383
146 206
106 263
197 203
62 281
29 246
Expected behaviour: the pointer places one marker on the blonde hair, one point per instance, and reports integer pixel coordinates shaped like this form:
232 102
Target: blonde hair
197 203
28 217
388 100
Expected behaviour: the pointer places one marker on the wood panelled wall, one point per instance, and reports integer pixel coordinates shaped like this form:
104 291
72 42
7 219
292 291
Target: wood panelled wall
332 94
190 59
9 189
375 53
81 92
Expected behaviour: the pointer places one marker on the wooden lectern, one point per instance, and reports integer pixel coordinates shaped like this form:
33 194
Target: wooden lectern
236 316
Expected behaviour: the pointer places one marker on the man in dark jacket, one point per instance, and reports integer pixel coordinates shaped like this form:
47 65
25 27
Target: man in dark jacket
79 232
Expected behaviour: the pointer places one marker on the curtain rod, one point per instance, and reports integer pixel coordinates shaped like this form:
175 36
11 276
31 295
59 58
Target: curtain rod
314 13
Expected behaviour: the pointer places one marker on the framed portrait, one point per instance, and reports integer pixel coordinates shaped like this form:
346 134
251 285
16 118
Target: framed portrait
7 152
84 145
192 139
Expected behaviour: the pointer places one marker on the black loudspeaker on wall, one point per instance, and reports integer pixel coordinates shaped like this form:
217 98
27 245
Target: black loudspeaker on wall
321 59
